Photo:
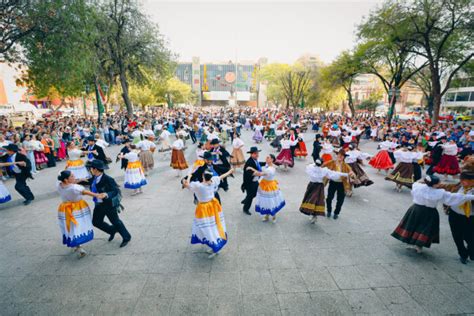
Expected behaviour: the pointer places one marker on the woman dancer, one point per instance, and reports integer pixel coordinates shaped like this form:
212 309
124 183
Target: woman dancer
448 164
326 151
404 174
237 159
257 136
419 226
301 150
209 225
178 162
75 164
314 201
355 159
269 199
382 160
134 175
199 157
285 157
74 214
147 148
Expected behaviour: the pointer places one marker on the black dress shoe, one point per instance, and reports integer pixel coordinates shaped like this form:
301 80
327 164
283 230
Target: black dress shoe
463 260
124 243
336 216
471 257
328 214
242 202
111 237
247 212
27 202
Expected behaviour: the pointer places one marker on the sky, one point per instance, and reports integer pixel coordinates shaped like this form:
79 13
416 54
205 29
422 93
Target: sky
282 31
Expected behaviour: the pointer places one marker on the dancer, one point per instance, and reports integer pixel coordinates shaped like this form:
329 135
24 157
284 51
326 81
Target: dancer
134 174
301 150
75 163
285 157
4 193
250 184
107 203
178 162
237 159
420 224
340 185
20 168
74 214
199 157
448 164
382 160
317 147
208 224
269 199
403 174
257 136
220 161
326 151
94 151
313 201
147 148
355 159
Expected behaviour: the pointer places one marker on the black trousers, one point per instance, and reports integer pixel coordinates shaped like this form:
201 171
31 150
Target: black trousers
462 229
192 134
100 211
251 193
22 188
333 188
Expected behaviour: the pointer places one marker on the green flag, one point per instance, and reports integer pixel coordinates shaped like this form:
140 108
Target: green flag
100 104
302 102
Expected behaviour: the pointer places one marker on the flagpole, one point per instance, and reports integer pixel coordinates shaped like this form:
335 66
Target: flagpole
97 96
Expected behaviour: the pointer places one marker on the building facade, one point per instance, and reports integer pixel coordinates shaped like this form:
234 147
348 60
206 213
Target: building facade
459 98
231 83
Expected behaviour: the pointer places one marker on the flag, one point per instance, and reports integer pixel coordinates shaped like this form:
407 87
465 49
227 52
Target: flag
302 102
102 95
100 104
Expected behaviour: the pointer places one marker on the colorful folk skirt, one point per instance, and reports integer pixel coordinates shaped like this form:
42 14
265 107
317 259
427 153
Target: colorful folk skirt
78 169
4 194
209 225
448 165
301 151
75 223
198 163
361 178
257 136
326 157
313 201
381 161
419 226
285 158
40 157
237 160
177 160
62 150
270 134
403 174
269 200
146 158
134 176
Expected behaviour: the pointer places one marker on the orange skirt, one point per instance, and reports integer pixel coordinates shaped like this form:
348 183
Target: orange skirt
177 160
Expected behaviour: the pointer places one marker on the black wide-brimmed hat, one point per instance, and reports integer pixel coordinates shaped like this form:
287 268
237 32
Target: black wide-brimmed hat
215 141
11 147
97 164
253 150
91 139
207 155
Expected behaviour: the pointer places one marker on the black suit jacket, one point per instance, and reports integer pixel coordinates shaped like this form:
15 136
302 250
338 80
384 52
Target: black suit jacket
224 156
316 150
25 171
107 185
100 153
248 174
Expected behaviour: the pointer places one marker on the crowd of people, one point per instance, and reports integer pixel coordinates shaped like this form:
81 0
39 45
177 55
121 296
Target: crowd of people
406 148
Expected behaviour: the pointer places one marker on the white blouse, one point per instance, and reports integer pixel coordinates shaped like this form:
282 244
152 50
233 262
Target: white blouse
205 192
74 154
131 156
327 148
237 143
387 145
71 192
407 156
457 208
450 149
317 174
286 144
431 197
353 155
178 144
269 173
145 145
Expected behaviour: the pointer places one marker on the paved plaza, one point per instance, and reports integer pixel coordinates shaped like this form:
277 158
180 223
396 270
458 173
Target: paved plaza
336 267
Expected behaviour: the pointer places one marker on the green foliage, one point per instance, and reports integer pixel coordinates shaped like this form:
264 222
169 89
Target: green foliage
271 74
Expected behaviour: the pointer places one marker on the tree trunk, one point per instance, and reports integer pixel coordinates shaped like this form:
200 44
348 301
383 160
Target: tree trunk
350 103
436 94
125 96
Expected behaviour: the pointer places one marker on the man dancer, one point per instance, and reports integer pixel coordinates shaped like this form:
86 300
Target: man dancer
221 161
108 203
250 184
21 172
341 185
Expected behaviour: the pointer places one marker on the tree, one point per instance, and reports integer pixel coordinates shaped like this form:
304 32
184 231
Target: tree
128 41
15 24
341 73
422 80
58 52
441 31
384 53
271 74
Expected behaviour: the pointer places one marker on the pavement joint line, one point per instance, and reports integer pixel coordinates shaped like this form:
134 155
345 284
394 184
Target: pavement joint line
50 195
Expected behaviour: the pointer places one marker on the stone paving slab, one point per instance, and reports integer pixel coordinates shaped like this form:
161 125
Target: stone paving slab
345 267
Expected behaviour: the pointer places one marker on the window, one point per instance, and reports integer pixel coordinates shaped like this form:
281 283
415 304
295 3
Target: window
450 97
462 96
472 97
